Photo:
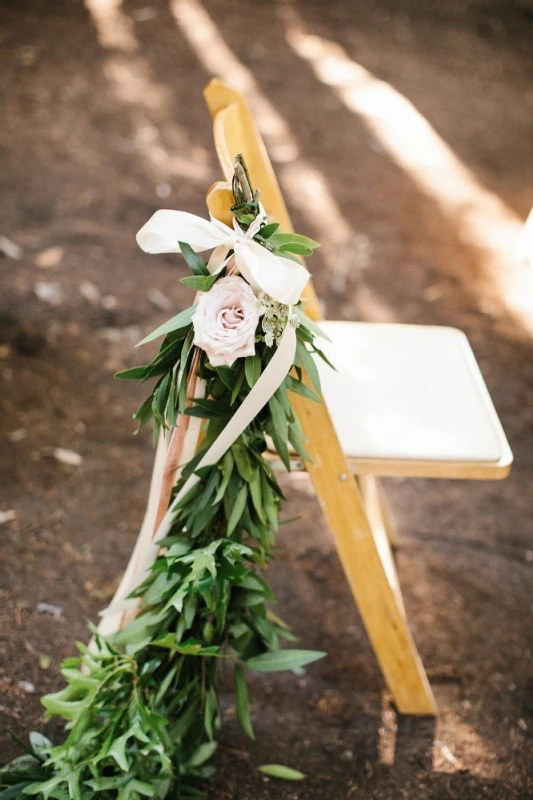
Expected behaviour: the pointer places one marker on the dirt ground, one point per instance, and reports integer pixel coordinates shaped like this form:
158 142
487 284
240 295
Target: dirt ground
102 125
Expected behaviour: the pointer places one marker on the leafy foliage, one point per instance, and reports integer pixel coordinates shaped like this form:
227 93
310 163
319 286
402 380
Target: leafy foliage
141 708
279 771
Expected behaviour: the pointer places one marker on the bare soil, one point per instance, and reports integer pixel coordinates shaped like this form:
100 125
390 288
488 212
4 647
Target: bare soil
88 154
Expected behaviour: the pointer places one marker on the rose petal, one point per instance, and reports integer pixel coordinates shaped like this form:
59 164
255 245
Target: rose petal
225 321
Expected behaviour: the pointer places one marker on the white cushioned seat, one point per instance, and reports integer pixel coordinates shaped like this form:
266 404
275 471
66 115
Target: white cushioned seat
410 400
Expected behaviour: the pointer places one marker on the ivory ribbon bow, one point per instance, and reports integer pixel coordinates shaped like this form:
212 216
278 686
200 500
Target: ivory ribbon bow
278 277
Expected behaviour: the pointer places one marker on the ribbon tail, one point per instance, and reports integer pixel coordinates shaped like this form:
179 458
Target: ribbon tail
112 614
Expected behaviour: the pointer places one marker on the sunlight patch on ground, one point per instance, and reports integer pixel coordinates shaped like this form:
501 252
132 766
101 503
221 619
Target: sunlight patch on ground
481 219
525 245
129 75
302 183
448 743
114 28
458 747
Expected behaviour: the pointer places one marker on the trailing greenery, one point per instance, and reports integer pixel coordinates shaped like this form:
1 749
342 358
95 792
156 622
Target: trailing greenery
141 708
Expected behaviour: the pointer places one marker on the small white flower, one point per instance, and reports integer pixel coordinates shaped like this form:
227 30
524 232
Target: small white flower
225 321
275 318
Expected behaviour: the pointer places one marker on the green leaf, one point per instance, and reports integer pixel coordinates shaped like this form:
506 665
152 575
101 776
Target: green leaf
172 409
142 788
243 217
295 247
283 399
267 230
40 745
188 792
23 763
200 283
296 438
308 323
236 552
227 376
279 431
140 628
59 704
244 463
169 642
208 409
258 584
118 751
283 239
239 380
202 754
237 510
211 713
160 397
252 369
195 262
185 720
14 792
242 702
324 358
45 788
144 413
227 468
133 374
308 362
184 373
283 659
106 783
181 320
247 599
190 648
165 683
203 559
77 680
292 385
257 497
279 771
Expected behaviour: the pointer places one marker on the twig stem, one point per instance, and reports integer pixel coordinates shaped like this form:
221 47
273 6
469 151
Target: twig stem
241 173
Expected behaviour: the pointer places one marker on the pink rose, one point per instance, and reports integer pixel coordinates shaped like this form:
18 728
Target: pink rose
225 321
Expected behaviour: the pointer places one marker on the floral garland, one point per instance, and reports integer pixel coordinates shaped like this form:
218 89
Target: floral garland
141 706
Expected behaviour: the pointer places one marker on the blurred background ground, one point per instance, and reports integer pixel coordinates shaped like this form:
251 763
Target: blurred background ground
102 123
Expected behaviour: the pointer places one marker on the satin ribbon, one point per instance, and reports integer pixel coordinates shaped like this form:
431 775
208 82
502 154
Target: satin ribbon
279 277
268 383
112 617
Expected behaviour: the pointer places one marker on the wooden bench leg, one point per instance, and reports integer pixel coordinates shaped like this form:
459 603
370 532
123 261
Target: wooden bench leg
377 507
372 496
386 514
381 611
